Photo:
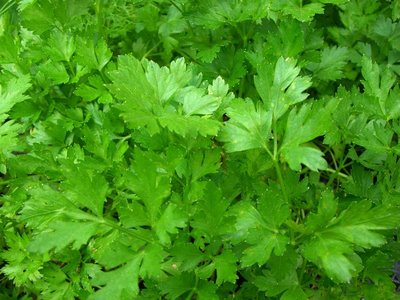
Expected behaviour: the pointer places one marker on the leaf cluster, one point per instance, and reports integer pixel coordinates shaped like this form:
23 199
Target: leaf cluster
199 149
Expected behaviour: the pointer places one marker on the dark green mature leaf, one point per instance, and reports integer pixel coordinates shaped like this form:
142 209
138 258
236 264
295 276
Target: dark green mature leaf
332 246
260 227
281 277
210 220
175 286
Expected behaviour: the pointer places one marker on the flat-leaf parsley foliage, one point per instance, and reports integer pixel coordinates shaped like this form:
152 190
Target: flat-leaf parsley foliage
213 149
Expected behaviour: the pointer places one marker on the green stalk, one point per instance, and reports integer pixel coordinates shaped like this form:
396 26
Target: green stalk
193 289
99 18
276 163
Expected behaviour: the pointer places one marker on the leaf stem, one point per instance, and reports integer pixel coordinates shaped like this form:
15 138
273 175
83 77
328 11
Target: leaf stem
193 289
125 230
302 270
276 162
281 181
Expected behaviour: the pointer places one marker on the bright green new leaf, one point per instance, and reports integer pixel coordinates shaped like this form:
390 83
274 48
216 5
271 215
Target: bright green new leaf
196 103
53 72
13 93
218 88
249 127
139 100
61 46
281 87
189 125
91 54
167 81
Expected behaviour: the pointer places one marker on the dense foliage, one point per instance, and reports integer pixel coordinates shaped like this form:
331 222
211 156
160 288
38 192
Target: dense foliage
214 149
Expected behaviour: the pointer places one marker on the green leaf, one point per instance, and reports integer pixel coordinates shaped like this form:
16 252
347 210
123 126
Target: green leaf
46 205
176 286
327 207
167 81
86 188
139 100
171 219
282 86
248 128
332 245
151 267
121 283
61 234
61 46
281 276
22 267
131 85
225 265
218 88
331 64
150 183
296 8
13 93
376 84
260 228
95 89
304 125
54 72
92 55
186 256
195 103
210 220
189 125
309 156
